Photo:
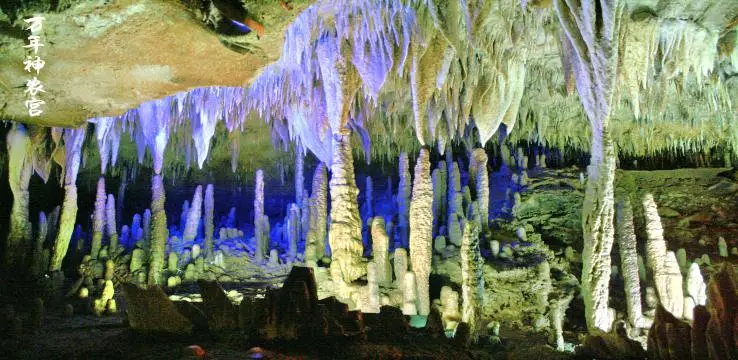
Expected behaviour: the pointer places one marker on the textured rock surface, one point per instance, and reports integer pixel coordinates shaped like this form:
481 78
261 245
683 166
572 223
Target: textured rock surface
159 232
421 230
629 260
20 170
315 243
380 251
150 310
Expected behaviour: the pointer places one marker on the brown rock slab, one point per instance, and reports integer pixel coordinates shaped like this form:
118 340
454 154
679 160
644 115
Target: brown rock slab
150 310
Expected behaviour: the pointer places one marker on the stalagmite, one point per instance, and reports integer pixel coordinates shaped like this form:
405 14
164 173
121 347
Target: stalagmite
20 167
481 184
315 243
111 225
403 199
345 229
159 232
722 247
73 139
98 218
472 285
209 221
696 287
380 251
400 267
183 215
591 48
293 226
37 267
421 229
629 260
453 208
373 285
669 286
261 244
368 199
193 218
121 193
146 227
409 294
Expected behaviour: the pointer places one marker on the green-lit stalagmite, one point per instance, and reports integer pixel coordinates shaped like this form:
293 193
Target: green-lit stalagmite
73 139
21 169
590 43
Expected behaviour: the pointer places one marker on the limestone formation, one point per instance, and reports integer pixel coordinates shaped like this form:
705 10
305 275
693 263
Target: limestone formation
98 218
722 247
315 242
400 267
696 287
380 251
299 173
261 244
409 294
373 289
209 205
111 225
150 310
20 166
193 217
453 208
345 230
403 200
629 260
159 232
472 283
73 139
421 230
37 265
293 230
666 273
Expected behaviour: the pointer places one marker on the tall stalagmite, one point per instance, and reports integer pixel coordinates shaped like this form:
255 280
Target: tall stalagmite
159 232
403 199
193 218
261 243
452 208
629 260
421 229
209 221
480 179
73 139
37 267
591 45
19 175
111 225
472 286
98 218
380 251
299 174
315 243
345 229
293 229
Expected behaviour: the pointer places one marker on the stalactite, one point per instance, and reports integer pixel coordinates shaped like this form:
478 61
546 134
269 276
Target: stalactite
20 167
315 243
261 245
73 139
421 229
380 251
98 218
209 221
345 229
472 284
159 232
591 42
110 225
629 260
193 217
403 199
481 184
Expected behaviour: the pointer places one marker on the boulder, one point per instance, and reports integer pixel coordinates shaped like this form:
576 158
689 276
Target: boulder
220 311
150 310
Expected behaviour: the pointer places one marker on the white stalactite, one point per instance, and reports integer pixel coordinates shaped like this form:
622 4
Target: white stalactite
345 229
421 229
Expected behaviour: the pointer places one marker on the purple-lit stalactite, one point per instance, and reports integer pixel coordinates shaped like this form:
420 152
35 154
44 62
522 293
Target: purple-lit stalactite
107 131
20 170
73 139
98 218
591 44
403 199
261 243
421 230
209 221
